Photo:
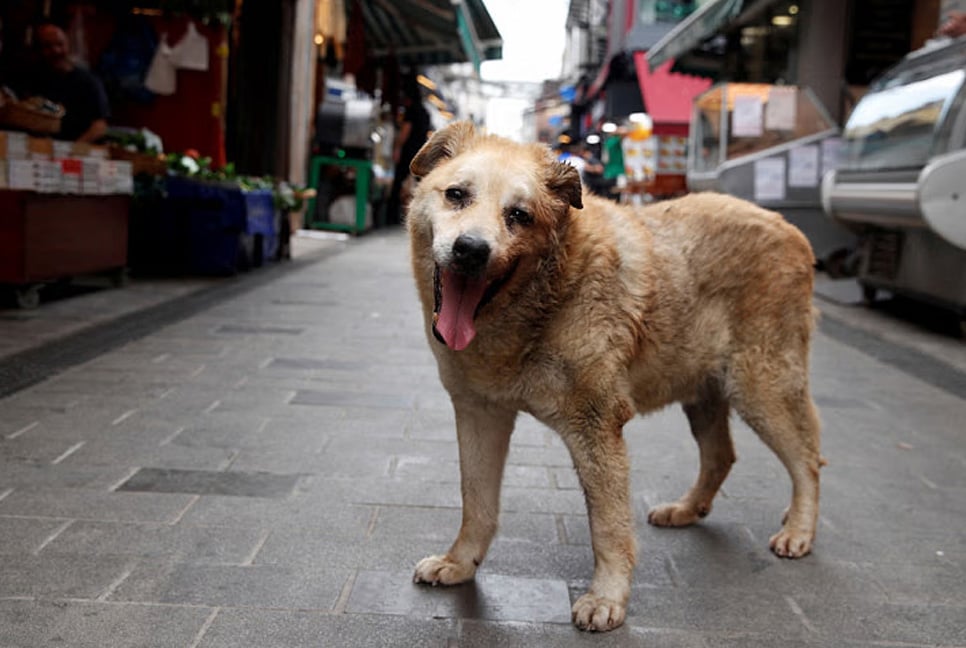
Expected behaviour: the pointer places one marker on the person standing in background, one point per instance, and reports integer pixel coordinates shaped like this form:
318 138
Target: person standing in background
567 155
954 26
414 127
593 174
612 155
59 79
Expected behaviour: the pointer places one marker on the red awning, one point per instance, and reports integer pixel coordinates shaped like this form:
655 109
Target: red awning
667 95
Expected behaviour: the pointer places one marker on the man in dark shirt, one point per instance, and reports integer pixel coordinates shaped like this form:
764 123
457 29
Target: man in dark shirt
413 132
61 80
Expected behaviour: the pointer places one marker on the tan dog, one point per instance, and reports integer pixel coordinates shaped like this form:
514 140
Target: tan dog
582 312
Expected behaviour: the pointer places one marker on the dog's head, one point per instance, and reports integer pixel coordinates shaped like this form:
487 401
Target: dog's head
485 214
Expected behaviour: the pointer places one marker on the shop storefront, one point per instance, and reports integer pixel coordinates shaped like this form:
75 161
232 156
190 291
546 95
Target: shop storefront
832 48
623 93
816 58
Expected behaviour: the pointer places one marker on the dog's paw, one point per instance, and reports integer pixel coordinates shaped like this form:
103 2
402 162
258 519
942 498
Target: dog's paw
597 613
676 514
791 543
443 570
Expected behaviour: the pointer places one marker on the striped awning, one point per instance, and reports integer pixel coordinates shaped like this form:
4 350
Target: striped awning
430 32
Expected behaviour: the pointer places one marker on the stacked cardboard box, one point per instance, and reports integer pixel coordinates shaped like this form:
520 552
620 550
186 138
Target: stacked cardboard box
114 177
49 166
72 176
13 146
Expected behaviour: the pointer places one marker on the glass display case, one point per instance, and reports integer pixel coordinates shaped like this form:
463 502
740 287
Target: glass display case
896 126
899 183
768 116
769 144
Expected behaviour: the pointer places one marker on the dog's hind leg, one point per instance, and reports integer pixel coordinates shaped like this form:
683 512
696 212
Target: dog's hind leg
708 418
483 432
781 412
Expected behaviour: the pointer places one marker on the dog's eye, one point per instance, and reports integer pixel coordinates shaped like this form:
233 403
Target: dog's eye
455 195
516 216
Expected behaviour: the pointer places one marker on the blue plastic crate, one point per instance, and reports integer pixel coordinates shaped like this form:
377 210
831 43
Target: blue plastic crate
228 229
261 223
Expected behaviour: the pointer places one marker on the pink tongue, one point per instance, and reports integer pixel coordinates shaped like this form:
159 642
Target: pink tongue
461 296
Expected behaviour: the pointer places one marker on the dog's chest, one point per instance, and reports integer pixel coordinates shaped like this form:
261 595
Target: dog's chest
516 379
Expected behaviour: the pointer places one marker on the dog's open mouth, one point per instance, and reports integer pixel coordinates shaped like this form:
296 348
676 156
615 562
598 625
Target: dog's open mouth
458 300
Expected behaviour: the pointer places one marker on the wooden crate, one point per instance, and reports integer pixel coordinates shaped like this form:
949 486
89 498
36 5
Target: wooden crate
45 237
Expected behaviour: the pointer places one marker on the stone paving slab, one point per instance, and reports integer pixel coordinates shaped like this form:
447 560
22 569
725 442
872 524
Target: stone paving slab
135 452
860 620
96 505
483 634
213 585
182 543
52 479
209 482
233 628
307 459
28 623
492 596
53 578
25 536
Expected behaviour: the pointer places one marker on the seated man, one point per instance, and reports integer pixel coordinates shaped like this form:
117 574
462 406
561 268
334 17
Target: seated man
63 81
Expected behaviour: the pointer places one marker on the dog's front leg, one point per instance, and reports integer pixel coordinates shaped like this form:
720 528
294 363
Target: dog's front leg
600 458
483 431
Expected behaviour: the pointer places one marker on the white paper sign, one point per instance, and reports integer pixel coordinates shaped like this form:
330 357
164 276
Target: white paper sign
746 117
770 179
803 166
831 153
780 112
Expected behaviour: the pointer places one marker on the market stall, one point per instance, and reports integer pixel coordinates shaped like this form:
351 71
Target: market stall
769 144
157 194
72 75
63 212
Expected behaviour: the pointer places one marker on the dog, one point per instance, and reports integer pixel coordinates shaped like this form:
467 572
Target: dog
541 298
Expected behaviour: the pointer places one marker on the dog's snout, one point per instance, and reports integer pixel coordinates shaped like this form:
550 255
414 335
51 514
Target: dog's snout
471 253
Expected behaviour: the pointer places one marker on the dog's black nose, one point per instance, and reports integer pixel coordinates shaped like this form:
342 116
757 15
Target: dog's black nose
470 253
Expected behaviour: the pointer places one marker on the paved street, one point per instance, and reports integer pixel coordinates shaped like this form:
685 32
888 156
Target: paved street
262 461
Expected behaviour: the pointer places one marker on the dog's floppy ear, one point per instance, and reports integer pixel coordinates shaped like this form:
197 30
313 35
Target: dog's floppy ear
445 144
564 180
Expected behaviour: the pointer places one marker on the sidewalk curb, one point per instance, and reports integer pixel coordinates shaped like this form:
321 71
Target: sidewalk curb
31 366
924 366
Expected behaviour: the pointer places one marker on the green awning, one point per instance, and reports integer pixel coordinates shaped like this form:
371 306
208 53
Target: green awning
431 32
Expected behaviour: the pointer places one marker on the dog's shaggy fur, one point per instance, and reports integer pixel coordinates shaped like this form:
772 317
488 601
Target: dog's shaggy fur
543 299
